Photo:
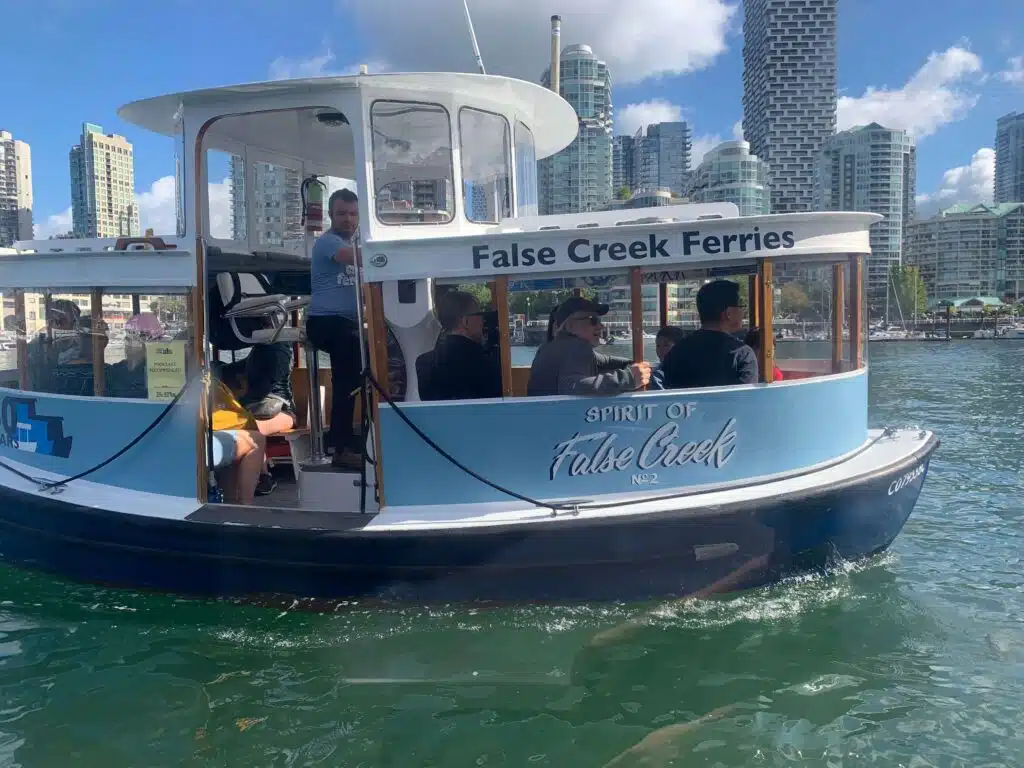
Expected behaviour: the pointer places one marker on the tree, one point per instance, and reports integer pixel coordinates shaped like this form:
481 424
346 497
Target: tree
794 299
907 287
481 291
624 193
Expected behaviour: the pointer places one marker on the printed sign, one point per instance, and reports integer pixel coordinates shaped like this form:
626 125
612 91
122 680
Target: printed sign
668 441
642 251
165 369
26 430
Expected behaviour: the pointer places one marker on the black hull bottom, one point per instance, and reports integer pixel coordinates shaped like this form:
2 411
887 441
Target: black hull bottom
669 554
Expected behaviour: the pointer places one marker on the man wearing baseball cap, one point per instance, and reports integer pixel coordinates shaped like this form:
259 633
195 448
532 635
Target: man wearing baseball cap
568 364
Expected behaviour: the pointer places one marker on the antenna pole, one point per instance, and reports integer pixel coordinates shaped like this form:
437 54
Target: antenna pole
472 37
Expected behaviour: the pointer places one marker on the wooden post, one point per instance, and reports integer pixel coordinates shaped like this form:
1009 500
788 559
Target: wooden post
636 304
99 343
662 304
377 339
21 340
754 299
837 318
499 297
195 362
853 305
766 359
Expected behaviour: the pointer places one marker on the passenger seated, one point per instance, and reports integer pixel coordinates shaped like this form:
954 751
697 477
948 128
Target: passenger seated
569 364
712 356
459 367
127 377
239 449
665 339
753 340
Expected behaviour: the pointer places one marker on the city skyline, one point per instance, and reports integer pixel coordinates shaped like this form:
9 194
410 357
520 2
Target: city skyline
947 83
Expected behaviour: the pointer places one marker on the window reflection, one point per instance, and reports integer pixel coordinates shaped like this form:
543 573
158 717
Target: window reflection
413 177
486 165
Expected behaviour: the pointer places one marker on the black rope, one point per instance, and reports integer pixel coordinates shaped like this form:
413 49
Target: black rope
48 486
886 432
425 438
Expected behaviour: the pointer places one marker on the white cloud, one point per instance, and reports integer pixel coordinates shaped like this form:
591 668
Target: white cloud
323 65
1014 74
55 224
157 208
639 39
971 183
701 145
635 116
937 94
737 130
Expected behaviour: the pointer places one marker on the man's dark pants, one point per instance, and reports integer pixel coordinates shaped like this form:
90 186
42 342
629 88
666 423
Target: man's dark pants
338 336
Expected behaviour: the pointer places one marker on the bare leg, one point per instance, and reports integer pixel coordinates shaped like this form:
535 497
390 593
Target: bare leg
249 456
280 423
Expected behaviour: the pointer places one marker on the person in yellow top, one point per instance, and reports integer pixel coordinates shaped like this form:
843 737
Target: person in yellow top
238 447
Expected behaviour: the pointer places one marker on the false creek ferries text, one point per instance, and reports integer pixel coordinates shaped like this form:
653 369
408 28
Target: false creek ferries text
583 250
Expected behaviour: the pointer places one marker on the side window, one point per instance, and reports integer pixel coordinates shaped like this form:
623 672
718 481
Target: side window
526 172
486 166
413 178
141 340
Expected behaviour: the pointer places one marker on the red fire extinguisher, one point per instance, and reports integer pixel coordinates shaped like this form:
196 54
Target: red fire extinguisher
313 191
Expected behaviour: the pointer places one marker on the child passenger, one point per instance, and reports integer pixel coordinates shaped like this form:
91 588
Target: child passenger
666 338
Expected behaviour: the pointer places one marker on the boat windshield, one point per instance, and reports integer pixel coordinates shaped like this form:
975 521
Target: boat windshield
413 178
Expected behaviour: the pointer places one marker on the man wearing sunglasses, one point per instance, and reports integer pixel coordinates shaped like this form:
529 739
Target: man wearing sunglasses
568 364
459 367
713 356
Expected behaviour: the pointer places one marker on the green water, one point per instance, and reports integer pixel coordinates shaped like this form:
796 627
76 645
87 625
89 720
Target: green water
913 659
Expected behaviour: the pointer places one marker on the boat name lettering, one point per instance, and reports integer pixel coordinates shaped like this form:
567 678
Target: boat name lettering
596 453
585 251
6 441
900 483
636 413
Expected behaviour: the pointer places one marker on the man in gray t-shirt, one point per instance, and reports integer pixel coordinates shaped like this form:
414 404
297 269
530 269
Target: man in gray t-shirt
331 322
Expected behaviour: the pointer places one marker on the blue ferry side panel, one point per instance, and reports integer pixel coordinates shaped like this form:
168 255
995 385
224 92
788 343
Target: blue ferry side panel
68 435
549 448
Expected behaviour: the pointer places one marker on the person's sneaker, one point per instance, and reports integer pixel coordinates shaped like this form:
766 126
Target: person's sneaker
347 460
266 484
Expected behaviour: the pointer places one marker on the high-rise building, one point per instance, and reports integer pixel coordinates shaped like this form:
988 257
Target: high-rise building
579 178
624 152
871 168
103 185
657 159
273 203
1009 181
970 251
668 146
15 190
789 92
729 173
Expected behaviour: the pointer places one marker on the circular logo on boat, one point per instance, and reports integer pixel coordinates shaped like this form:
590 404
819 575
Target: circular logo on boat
379 260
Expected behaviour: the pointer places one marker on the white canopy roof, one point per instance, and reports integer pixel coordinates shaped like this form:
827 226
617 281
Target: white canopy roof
551 118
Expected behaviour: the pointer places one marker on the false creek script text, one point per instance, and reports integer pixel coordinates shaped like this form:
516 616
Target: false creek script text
583 250
600 451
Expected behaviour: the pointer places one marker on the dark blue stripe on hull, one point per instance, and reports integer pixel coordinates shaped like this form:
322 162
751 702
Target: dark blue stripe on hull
571 559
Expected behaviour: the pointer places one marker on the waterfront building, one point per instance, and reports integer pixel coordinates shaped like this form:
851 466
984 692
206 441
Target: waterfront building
15 190
789 92
103 185
730 173
970 250
1009 178
579 178
872 168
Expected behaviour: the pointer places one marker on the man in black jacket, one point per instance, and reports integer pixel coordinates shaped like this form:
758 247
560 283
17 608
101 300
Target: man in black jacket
459 367
712 356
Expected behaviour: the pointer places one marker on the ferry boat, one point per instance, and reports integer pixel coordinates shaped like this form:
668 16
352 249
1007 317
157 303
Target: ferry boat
642 495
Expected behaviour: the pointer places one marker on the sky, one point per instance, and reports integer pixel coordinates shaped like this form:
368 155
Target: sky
943 70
